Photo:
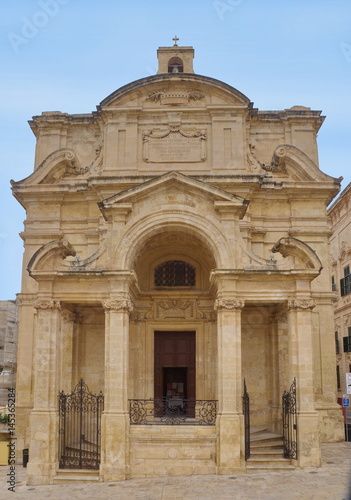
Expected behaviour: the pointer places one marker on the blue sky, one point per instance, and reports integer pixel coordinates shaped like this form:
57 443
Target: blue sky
68 55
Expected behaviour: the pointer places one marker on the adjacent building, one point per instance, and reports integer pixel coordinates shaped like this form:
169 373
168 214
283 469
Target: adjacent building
340 248
176 244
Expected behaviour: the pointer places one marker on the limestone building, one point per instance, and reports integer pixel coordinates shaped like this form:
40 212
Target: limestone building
340 247
176 243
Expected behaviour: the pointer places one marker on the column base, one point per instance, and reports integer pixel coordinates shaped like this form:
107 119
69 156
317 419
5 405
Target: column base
308 440
43 448
114 465
230 444
331 423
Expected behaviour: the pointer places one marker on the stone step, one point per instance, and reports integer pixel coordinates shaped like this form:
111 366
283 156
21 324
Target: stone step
265 436
267 444
251 469
76 476
263 452
259 429
269 460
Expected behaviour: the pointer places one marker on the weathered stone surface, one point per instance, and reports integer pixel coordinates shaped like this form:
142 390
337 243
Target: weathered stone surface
176 169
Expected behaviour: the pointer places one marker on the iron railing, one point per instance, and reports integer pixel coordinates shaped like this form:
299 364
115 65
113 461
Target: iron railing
172 411
290 422
80 428
246 412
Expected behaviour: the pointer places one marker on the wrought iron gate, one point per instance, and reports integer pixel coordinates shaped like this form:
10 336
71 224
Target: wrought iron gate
290 422
246 412
80 428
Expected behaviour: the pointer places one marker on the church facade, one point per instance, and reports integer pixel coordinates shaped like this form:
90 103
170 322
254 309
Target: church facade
176 245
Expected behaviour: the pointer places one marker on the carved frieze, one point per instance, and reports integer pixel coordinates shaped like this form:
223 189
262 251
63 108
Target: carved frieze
229 304
303 304
165 97
174 145
175 309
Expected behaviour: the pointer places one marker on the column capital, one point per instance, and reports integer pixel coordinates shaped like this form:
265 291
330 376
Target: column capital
229 304
302 304
68 316
124 304
47 304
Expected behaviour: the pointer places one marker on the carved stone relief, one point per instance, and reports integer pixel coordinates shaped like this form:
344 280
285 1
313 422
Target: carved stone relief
301 304
174 146
229 304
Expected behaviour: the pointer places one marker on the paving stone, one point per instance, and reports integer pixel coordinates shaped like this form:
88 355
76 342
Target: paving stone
330 482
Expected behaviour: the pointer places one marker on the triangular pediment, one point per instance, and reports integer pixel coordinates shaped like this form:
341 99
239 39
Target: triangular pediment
173 183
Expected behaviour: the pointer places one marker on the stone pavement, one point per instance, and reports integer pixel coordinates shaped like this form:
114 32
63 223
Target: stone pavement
330 482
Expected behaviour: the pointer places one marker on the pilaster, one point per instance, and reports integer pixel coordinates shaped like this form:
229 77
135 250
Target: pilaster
301 367
44 417
230 418
115 422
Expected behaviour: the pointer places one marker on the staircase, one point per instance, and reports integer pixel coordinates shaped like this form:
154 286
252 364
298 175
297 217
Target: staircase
267 452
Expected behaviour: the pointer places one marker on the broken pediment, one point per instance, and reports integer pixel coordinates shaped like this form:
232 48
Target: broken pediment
50 256
303 256
290 162
60 164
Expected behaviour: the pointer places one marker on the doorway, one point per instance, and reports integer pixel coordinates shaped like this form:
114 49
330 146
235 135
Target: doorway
175 365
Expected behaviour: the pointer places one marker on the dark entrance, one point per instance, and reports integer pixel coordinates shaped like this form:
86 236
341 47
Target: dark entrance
175 365
175 382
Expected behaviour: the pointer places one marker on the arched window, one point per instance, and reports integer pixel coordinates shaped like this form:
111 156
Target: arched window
175 65
175 273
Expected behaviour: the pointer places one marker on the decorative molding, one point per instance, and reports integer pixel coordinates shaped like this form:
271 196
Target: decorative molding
68 316
277 163
162 96
229 304
47 304
123 305
136 317
279 317
73 168
303 304
174 145
175 309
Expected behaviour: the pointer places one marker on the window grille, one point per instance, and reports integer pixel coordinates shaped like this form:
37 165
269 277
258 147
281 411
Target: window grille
337 349
338 377
175 273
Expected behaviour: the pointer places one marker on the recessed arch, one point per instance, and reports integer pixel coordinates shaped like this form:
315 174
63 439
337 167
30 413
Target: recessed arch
135 238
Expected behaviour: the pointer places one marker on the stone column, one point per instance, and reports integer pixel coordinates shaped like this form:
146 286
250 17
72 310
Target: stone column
43 447
301 367
230 426
66 350
115 422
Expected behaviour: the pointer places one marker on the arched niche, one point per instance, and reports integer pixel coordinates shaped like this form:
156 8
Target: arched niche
175 65
173 245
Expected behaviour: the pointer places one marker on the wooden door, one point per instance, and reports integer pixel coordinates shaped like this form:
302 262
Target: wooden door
175 350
